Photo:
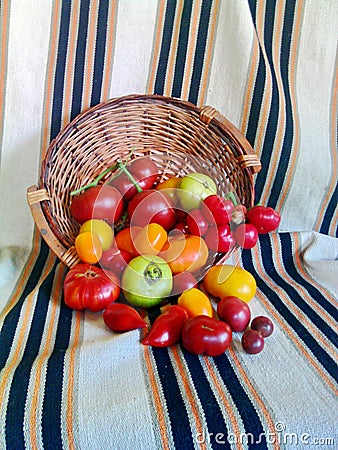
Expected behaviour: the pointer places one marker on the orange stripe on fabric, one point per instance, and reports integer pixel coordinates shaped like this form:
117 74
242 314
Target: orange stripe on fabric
253 393
89 65
18 345
109 50
286 329
173 49
157 399
189 394
69 69
24 275
292 307
225 402
293 96
191 50
5 7
157 46
41 360
278 30
71 380
209 53
50 75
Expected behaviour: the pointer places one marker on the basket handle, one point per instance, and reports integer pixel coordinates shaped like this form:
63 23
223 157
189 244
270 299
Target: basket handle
34 198
249 159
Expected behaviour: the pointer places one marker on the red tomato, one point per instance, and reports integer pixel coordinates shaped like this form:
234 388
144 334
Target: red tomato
197 223
144 171
234 312
98 202
246 235
219 238
264 218
206 335
183 281
217 209
115 260
90 287
120 317
151 206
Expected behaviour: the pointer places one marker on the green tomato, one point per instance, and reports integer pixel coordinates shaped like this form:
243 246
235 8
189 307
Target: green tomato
193 188
146 281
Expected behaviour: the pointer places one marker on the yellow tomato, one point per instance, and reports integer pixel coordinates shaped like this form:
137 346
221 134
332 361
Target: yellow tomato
195 302
169 187
102 229
228 280
88 247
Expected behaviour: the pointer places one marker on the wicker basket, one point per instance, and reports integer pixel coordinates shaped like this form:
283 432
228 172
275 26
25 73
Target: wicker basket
179 136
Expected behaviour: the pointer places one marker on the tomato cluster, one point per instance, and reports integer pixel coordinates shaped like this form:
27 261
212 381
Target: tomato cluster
148 243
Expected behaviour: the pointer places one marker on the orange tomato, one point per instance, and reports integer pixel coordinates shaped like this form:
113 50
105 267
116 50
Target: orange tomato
88 247
150 239
169 187
195 302
124 239
185 253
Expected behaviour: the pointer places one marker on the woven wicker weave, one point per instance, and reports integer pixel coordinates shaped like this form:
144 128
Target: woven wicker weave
179 136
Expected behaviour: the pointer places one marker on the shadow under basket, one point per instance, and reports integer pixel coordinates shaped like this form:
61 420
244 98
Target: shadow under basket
180 137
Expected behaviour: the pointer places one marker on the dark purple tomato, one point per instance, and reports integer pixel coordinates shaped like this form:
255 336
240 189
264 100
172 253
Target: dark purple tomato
183 281
263 325
252 342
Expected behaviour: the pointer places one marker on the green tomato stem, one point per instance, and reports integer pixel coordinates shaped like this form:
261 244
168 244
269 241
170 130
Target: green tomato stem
123 169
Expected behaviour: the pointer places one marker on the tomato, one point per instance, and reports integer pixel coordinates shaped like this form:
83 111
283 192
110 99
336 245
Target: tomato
252 342
88 247
262 324
197 223
151 206
217 208
125 238
183 281
143 170
150 239
120 317
234 312
195 302
167 327
206 335
169 188
146 281
228 280
219 238
99 202
193 189
89 287
101 228
264 218
185 253
115 260
246 235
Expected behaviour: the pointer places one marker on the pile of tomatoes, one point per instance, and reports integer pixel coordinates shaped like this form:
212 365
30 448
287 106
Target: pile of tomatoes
144 244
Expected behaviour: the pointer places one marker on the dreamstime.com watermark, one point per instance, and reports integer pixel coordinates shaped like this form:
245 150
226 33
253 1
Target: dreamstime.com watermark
280 435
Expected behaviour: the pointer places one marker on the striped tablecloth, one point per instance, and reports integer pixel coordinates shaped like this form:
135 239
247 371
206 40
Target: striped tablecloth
270 67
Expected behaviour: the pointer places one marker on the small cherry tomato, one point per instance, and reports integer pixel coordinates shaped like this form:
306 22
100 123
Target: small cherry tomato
183 281
103 230
263 325
264 218
195 302
150 239
219 238
234 312
120 317
196 222
217 209
246 235
252 342
167 327
206 335
89 287
88 247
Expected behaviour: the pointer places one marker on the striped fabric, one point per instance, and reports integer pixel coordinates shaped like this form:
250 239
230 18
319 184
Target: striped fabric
269 66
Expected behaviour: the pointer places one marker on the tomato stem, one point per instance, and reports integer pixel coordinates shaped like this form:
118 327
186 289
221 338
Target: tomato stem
123 168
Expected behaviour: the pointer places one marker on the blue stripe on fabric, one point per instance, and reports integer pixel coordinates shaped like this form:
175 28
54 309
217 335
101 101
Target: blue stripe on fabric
80 58
19 387
10 322
182 49
330 214
51 411
317 351
202 37
100 50
289 265
176 408
279 178
61 61
165 47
